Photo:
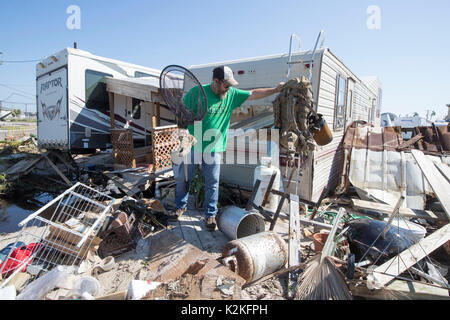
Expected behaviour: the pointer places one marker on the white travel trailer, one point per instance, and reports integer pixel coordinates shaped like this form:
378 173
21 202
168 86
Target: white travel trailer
341 97
73 106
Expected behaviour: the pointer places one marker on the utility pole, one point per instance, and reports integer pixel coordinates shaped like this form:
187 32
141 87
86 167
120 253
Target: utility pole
1 100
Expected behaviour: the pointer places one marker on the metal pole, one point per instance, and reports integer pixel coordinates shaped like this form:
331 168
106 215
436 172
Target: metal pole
290 53
392 215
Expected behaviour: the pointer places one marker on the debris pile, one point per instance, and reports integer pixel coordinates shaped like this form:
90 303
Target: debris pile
108 237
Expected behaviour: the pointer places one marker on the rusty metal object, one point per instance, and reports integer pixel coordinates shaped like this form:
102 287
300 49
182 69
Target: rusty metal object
430 140
256 256
322 133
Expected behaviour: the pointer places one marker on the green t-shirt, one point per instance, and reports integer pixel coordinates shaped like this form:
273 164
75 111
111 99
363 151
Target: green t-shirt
214 127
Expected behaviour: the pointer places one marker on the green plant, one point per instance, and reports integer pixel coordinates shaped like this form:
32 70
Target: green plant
198 188
4 183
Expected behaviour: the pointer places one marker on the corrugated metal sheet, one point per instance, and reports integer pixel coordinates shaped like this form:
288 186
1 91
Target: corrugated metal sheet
379 171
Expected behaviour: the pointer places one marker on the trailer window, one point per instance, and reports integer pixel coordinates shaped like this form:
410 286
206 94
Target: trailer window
136 109
96 95
340 103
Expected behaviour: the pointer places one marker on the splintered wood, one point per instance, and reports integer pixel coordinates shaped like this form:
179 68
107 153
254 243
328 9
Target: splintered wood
406 259
437 181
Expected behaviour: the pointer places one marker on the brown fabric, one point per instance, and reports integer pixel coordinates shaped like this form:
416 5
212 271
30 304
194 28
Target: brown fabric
291 117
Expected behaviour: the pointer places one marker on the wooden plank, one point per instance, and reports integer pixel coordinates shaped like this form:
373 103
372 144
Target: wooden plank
189 232
212 242
410 142
111 110
406 259
327 248
392 215
401 290
114 296
294 256
437 182
57 170
22 166
404 212
444 170
176 229
142 151
294 232
158 114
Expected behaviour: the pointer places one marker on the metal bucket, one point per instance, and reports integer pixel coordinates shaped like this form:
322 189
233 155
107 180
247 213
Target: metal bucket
237 223
255 256
323 136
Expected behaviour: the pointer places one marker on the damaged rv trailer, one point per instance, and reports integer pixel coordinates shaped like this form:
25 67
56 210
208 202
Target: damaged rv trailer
77 91
74 106
339 95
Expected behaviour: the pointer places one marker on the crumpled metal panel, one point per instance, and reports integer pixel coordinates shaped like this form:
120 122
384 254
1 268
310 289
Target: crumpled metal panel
386 175
375 166
373 138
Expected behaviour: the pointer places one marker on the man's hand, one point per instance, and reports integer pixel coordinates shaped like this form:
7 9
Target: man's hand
261 93
280 87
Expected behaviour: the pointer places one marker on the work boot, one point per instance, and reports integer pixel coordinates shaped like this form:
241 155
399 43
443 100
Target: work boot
210 223
175 214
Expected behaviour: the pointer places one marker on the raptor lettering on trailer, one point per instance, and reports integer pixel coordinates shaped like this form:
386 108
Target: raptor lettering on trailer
51 84
52 111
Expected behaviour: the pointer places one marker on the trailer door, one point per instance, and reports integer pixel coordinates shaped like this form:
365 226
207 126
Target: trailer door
52 128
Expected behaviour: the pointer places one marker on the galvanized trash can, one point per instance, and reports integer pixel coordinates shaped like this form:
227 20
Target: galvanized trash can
256 256
237 223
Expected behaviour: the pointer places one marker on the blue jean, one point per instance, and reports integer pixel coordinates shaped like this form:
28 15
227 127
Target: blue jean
210 167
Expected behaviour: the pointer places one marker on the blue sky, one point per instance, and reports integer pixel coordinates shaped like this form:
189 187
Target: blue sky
410 53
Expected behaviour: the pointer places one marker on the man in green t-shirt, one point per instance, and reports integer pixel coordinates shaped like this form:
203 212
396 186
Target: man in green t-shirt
211 135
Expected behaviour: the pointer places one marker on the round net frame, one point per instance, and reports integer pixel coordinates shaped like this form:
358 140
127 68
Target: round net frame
175 82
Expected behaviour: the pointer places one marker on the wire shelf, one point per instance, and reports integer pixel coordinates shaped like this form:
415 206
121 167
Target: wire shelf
60 233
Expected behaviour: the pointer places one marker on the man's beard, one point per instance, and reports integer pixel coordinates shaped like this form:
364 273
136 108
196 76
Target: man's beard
220 95
223 95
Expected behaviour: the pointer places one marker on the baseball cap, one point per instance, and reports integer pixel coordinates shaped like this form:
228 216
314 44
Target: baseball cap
225 74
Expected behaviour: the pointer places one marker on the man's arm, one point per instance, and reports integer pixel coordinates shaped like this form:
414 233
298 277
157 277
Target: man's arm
261 93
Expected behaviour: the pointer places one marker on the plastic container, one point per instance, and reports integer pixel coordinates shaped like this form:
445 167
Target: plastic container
415 231
8 293
108 263
264 172
138 289
87 284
